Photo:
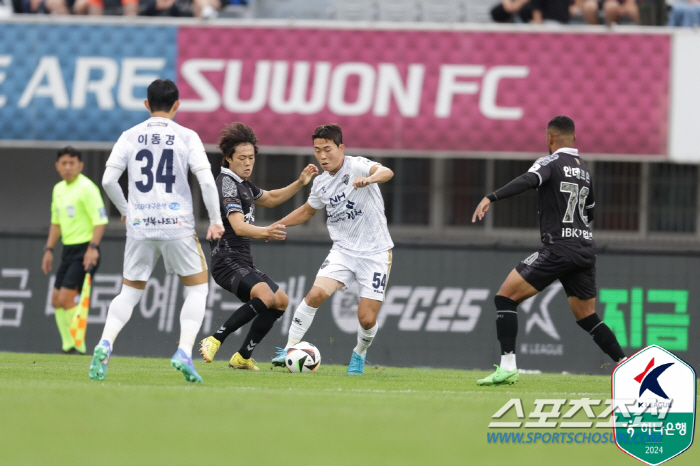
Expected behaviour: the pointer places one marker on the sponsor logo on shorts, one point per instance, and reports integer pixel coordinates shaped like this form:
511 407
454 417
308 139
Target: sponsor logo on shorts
174 206
532 258
325 263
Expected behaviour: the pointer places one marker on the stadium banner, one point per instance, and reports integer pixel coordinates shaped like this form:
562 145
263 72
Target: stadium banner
684 138
79 82
429 91
438 311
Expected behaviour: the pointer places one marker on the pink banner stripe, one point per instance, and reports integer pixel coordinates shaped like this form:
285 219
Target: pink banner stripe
428 90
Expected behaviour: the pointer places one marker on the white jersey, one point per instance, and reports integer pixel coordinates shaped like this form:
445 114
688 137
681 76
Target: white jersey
356 219
157 155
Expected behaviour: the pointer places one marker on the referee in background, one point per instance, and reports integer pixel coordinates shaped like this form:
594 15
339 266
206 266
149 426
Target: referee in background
78 217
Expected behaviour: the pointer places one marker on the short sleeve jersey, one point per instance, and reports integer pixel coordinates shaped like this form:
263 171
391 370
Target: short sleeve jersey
356 219
157 155
565 193
77 208
235 195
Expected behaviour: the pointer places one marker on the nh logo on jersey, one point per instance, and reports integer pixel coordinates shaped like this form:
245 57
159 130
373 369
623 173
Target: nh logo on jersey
335 200
660 392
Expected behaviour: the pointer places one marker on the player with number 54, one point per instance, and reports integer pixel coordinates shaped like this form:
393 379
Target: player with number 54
361 251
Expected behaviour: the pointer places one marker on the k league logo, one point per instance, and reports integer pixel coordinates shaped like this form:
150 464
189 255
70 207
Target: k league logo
660 391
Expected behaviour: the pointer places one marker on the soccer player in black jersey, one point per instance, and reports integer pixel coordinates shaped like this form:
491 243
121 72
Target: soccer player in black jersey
231 262
566 202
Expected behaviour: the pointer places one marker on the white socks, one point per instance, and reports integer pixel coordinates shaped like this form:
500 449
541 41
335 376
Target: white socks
192 315
364 339
508 362
301 322
119 312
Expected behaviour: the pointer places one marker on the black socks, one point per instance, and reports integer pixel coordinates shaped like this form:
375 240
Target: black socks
240 317
603 336
506 323
259 328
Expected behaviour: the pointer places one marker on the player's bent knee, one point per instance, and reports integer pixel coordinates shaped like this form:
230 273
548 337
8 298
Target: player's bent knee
263 292
281 300
316 296
367 322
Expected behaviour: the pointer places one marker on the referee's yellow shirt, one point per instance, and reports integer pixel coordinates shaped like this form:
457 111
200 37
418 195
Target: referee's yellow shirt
77 208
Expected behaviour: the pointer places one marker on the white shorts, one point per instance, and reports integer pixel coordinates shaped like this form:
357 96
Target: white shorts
182 256
371 272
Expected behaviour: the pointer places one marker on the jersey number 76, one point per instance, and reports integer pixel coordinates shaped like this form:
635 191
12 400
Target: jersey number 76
575 197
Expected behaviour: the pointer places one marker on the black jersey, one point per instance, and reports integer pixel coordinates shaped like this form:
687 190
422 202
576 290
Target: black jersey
565 197
235 195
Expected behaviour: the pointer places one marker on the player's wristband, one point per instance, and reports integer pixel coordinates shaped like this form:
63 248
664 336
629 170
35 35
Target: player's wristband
46 248
94 246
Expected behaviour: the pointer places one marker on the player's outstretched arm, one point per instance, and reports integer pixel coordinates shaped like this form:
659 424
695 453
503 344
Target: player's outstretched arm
275 231
278 196
300 215
377 174
210 196
519 185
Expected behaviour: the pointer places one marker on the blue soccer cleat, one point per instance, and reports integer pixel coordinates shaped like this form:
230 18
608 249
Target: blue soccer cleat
100 359
357 364
181 362
279 358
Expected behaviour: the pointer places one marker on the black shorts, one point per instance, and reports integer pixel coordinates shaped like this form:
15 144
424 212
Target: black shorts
239 279
71 272
546 265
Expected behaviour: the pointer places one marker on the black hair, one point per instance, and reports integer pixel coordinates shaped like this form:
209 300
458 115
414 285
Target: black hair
331 131
162 95
563 124
233 136
69 150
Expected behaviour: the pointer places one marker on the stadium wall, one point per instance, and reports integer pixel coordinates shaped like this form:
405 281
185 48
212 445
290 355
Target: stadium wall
425 90
439 309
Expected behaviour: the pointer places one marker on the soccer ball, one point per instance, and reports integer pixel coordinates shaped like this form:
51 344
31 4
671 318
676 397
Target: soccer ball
303 357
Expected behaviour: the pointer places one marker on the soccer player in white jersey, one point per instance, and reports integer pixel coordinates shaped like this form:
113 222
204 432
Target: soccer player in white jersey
158 154
361 242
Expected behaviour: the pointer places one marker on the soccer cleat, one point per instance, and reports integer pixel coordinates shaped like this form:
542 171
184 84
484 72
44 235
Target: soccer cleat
500 377
208 348
237 362
100 359
279 358
357 364
181 362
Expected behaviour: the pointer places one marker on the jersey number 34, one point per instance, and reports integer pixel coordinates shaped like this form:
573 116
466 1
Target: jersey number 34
164 172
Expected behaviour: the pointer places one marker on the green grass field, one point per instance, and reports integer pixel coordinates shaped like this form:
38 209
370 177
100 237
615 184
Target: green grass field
145 413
